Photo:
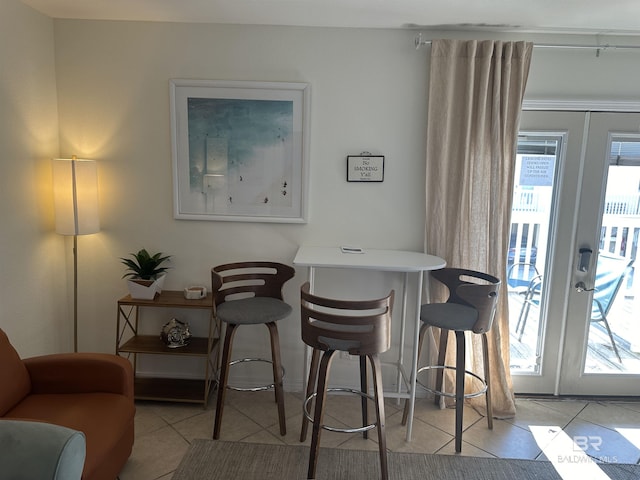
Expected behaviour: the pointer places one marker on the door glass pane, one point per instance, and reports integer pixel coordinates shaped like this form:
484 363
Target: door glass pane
614 329
531 217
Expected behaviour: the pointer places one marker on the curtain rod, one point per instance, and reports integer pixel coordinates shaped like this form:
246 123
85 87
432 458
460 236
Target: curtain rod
419 42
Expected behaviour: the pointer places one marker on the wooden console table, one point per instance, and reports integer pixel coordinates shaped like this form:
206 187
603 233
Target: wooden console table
130 342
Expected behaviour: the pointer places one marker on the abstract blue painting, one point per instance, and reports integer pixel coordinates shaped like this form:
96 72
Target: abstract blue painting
240 152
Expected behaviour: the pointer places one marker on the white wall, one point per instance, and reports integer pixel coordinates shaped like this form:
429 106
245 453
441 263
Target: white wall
33 294
368 93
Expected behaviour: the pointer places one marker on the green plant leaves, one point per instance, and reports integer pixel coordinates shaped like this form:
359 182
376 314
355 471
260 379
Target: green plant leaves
145 266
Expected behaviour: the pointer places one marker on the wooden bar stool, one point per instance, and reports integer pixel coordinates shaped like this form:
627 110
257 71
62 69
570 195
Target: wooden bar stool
470 307
360 327
250 293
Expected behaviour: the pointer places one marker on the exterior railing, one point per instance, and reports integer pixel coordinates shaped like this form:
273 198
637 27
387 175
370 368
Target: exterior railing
619 235
622 205
525 200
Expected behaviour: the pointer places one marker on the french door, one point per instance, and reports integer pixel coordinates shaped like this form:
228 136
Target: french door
574 295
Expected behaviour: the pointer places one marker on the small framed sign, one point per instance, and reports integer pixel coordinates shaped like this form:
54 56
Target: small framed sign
365 168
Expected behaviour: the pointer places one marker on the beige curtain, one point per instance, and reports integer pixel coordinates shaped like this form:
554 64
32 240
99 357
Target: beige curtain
475 98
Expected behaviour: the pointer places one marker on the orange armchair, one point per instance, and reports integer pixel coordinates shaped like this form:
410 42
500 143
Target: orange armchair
89 392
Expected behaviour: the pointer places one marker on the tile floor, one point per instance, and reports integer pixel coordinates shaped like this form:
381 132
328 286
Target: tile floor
608 431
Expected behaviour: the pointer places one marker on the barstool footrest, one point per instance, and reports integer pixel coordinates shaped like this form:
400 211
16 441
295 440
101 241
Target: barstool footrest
365 428
250 389
482 391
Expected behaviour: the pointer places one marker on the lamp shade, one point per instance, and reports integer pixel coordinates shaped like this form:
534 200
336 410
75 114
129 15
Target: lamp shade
75 193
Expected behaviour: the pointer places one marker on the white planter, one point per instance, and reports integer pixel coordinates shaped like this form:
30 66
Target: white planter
145 289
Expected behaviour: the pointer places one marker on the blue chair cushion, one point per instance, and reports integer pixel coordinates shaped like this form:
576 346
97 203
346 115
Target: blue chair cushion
451 316
254 310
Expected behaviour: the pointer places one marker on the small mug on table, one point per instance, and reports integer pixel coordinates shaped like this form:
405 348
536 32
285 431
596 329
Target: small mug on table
195 292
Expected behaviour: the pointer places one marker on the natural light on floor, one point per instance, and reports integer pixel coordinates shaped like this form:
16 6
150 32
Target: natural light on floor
566 453
631 434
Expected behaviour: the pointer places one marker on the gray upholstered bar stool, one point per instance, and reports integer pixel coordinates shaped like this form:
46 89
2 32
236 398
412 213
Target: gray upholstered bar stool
470 308
360 327
250 293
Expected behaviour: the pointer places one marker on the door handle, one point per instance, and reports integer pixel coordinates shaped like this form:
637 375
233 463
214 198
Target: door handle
584 259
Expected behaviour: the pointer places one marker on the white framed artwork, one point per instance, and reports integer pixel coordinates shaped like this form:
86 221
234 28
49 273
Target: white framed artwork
240 150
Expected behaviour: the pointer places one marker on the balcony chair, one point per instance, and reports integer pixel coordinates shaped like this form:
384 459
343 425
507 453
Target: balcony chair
250 293
519 275
610 274
531 297
470 308
360 327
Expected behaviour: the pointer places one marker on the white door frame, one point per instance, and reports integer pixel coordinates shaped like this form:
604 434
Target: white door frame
583 107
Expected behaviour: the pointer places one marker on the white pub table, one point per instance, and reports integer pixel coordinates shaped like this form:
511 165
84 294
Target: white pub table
382 260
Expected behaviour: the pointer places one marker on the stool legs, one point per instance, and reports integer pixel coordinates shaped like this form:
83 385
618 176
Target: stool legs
318 416
460 357
277 375
442 353
364 387
319 373
487 379
460 368
311 386
380 416
460 376
224 378
442 350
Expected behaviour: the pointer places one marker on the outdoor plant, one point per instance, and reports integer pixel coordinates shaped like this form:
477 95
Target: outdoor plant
144 266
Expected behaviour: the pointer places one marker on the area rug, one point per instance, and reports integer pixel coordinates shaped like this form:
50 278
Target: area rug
218 460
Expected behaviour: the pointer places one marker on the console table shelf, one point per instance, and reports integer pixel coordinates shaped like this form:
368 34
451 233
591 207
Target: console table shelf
129 341
154 345
168 389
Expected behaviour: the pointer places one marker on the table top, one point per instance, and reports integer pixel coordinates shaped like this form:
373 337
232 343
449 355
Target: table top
386 260
169 298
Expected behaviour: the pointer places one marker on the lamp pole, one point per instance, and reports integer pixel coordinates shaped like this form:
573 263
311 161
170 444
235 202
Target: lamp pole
75 293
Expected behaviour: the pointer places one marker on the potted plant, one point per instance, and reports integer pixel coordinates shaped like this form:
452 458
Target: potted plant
145 274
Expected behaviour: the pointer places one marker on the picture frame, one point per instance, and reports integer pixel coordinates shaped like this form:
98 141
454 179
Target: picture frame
365 168
240 150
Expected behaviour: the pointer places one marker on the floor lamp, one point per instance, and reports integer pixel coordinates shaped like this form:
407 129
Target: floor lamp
75 192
